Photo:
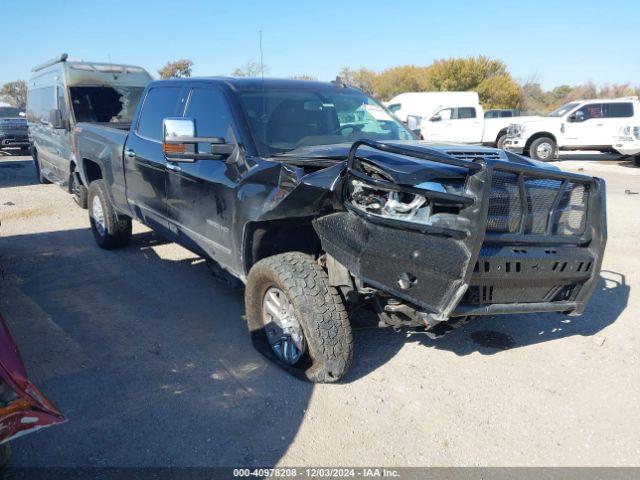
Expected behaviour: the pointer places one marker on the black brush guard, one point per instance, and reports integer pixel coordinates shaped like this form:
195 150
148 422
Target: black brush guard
520 264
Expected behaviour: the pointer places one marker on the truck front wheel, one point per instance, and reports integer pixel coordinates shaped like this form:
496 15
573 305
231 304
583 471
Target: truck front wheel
110 230
297 319
543 149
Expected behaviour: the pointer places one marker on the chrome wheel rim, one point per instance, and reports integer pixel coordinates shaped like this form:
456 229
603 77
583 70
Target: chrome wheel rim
544 150
283 330
98 215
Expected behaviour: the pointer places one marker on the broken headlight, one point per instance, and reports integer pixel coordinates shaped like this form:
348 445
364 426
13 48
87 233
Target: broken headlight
388 203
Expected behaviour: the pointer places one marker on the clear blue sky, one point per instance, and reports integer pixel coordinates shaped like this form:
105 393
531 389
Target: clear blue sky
562 41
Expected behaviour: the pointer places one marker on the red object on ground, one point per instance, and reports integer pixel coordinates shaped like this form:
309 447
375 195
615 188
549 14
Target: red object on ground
29 410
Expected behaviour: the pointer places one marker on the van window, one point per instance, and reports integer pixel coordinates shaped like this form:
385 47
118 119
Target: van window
105 104
618 110
464 112
209 109
40 102
159 104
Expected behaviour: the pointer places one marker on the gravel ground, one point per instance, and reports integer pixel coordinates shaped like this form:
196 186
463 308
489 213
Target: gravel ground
149 358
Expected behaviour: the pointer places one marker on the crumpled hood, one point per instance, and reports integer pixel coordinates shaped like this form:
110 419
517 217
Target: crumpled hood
410 171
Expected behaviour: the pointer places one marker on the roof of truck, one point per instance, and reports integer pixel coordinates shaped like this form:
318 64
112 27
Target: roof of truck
252 84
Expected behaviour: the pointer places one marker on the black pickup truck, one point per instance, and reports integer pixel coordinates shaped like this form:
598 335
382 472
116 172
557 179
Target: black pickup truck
319 201
13 129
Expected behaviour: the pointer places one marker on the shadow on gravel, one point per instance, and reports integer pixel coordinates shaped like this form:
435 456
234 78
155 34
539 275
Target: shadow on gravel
148 356
491 335
17 173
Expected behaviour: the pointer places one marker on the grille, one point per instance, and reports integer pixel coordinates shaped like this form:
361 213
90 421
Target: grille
527 205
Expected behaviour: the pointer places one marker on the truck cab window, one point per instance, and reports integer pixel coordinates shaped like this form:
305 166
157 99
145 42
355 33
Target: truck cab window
464 112
445 114
159 104
618 110
592 110
105 104
209 109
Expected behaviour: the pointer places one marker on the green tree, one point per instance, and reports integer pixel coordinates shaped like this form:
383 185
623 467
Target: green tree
406 78
15 93
499 91
361 78
176 69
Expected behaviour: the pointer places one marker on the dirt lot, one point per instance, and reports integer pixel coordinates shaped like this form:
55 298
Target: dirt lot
149 357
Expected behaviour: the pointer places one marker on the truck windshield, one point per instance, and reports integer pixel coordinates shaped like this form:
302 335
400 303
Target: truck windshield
558 112
105 104
9 112
282 120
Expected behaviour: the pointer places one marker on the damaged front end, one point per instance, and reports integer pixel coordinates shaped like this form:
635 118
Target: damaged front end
437 236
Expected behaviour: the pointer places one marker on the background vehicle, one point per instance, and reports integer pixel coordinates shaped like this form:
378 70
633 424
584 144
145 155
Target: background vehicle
13 128
628 143
504 113
462 122
422 104
23 408
320 201
61 93
579 125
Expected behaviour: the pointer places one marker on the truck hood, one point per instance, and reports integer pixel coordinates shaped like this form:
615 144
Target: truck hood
542 123
409 170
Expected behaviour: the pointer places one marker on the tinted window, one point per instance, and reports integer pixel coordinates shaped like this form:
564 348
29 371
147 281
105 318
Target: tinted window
618 110
506 113
592 110
209 109
464 112
491 114
445 114
159 104
40 102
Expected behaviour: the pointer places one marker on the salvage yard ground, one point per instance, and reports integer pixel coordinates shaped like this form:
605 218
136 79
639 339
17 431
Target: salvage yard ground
149 357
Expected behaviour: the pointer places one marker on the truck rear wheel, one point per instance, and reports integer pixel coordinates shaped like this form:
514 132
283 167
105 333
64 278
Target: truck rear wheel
543 149
110 230
297 319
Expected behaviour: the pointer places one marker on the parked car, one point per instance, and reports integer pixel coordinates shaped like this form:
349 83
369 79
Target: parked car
23 408
457 117
578 125
13 129
321 202
62 93
503 113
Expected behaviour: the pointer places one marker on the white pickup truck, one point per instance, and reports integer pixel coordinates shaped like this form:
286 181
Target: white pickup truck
454 117
579 125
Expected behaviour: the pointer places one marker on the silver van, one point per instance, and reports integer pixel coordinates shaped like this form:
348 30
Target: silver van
63 92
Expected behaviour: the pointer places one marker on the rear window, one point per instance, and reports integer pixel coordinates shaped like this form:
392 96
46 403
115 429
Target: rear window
618 110
159 104
105 104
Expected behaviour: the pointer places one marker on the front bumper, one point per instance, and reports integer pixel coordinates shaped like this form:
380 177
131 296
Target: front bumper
515 145
14 141
471 269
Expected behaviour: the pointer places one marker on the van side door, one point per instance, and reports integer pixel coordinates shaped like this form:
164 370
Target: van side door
201 194
143 156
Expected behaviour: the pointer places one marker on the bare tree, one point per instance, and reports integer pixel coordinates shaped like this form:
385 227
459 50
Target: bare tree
15 93
250 69
304 77
176 69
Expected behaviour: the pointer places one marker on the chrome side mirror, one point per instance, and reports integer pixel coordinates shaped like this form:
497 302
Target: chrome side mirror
180 141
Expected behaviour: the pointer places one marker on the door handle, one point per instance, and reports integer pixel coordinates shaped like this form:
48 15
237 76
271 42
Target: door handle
173 167
130 153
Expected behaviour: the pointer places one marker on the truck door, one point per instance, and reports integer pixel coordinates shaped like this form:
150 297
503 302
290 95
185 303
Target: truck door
200 194
586 127
144 160
460 124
